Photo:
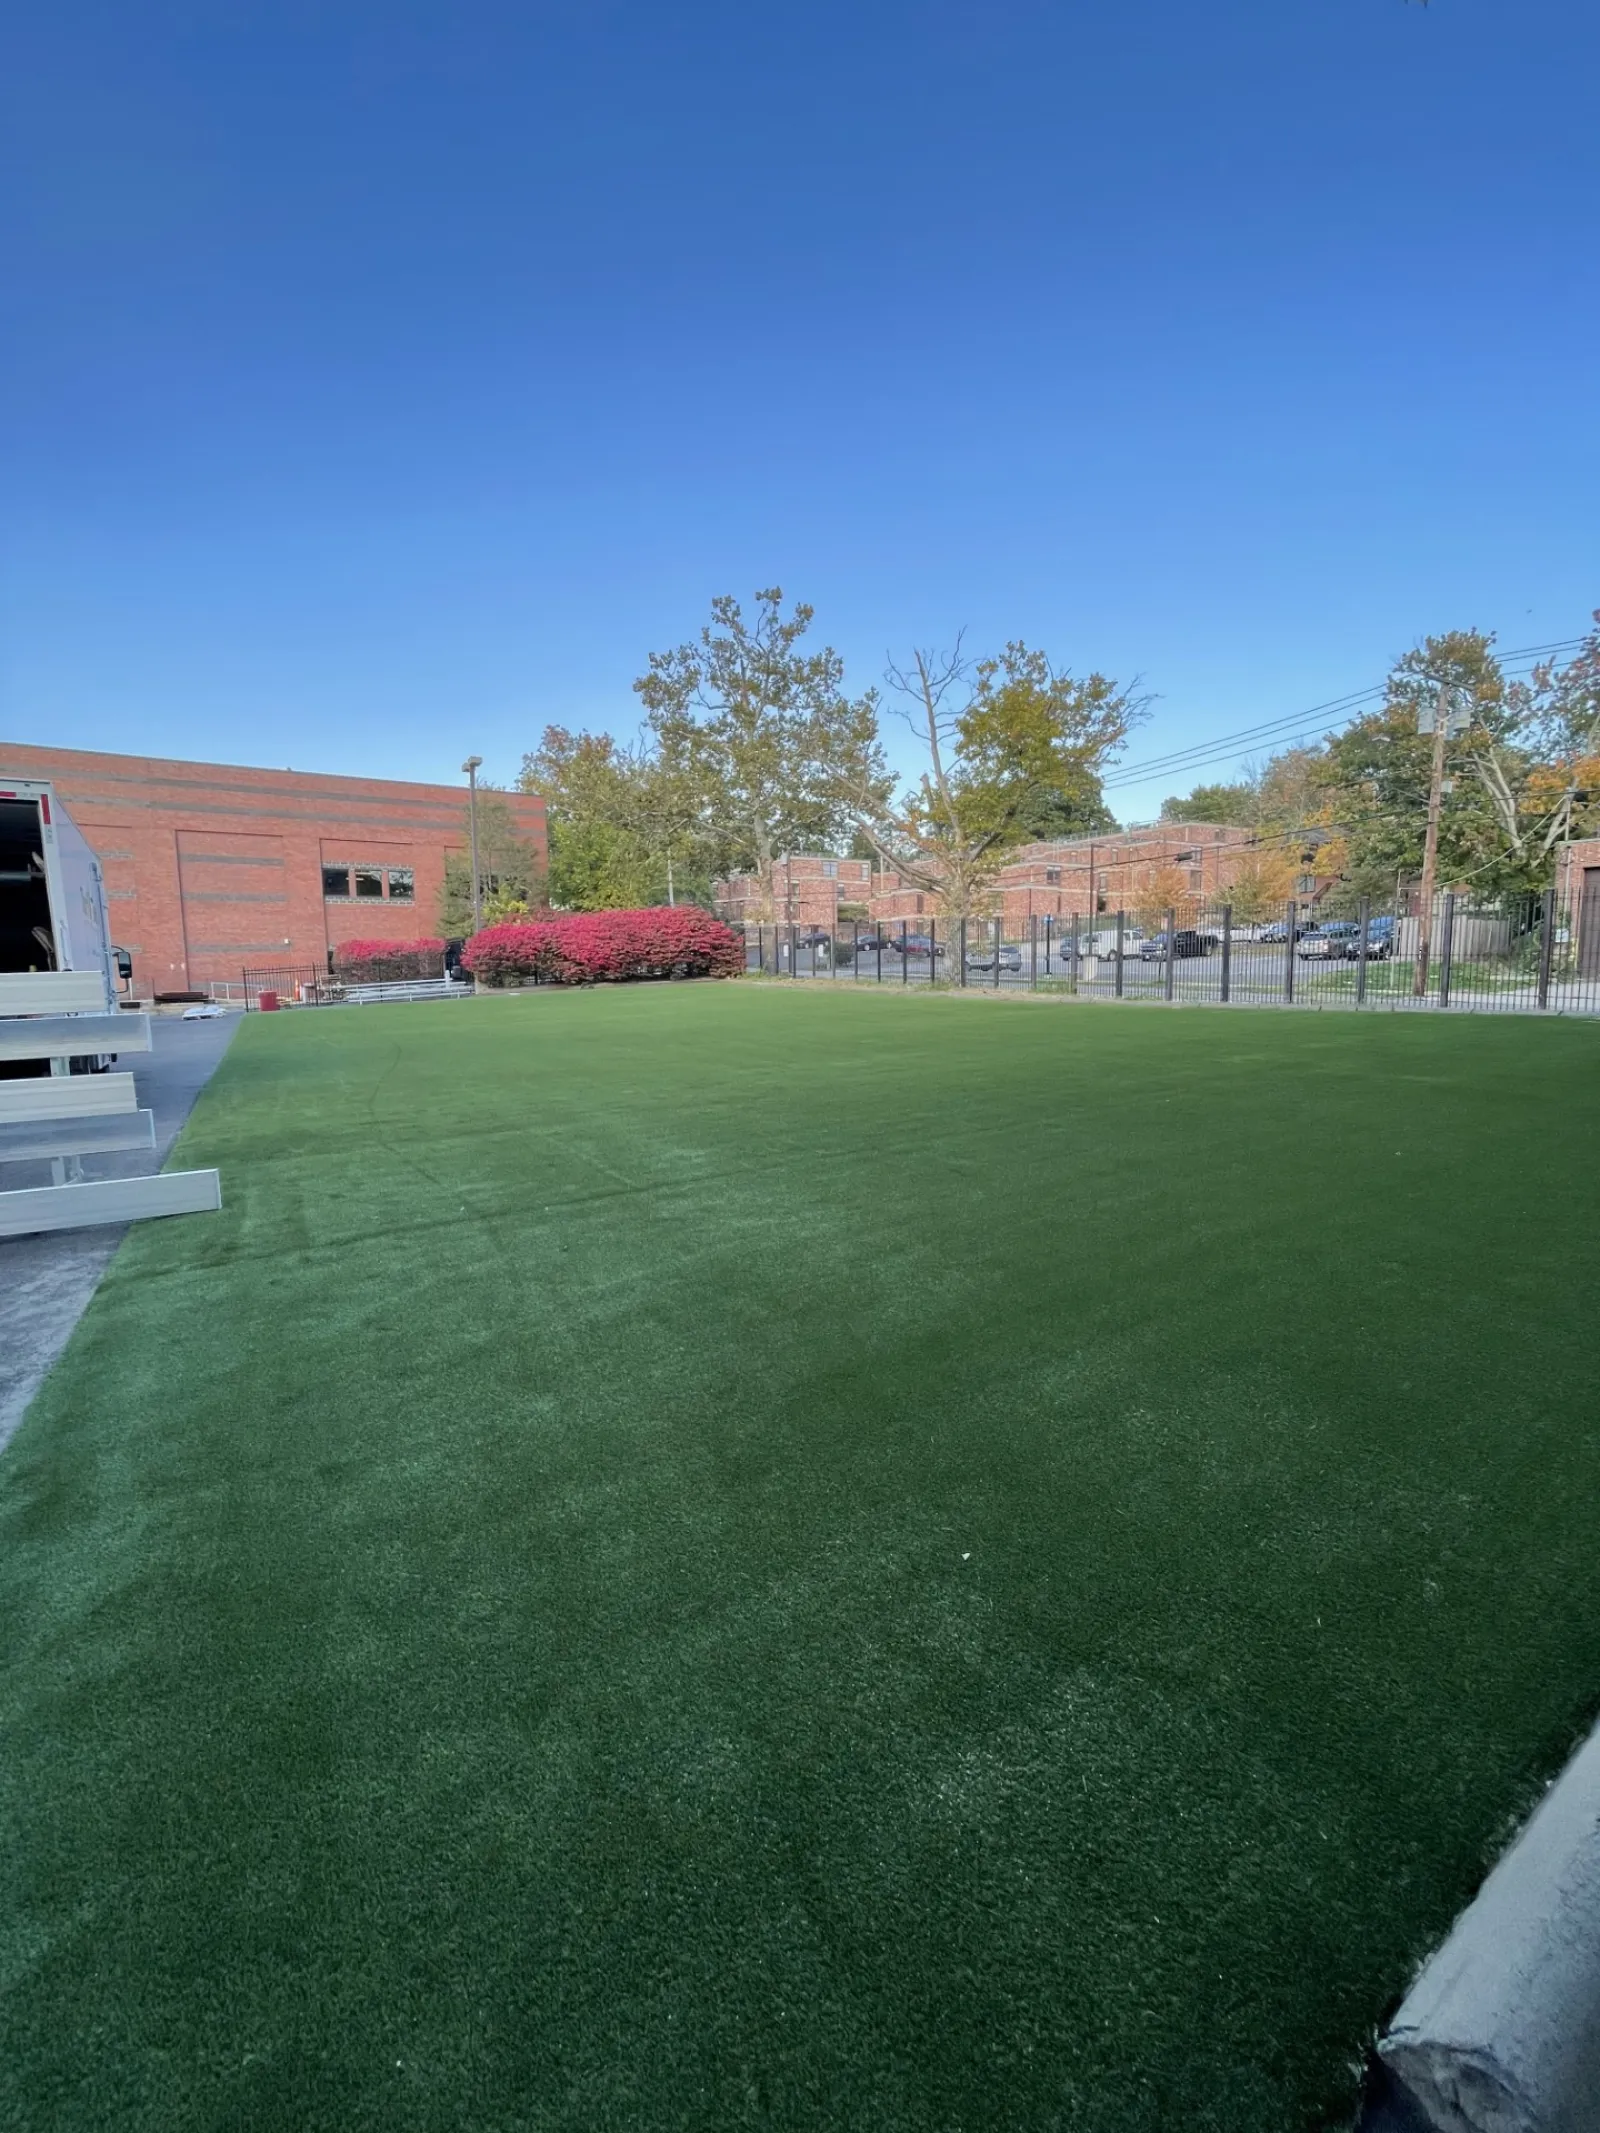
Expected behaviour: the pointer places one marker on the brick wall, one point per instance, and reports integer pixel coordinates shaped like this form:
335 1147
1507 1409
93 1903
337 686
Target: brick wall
211 868
1579 883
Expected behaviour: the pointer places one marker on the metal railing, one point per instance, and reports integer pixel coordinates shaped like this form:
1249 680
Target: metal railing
304 985
1518 954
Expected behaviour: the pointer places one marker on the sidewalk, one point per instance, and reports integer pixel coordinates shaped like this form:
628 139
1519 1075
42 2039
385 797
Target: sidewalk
46 1282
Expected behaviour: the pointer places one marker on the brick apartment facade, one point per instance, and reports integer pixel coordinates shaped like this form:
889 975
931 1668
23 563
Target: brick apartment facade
210 868
1071 876
1578 878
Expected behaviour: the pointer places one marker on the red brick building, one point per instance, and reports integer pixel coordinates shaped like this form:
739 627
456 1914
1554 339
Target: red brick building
1070 876
1578 883
210 868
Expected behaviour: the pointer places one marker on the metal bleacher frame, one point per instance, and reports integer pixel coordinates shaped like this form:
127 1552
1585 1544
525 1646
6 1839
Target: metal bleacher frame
60 1015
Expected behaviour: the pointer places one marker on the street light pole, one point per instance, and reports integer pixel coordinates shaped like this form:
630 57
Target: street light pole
472 766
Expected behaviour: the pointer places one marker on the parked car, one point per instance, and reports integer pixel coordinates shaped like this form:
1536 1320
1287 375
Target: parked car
812 937
1340 941
1185 942
1330 943
1279 931
870 943
984 958
919 944
1104 943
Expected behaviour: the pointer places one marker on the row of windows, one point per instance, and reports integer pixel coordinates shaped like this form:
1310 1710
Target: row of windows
343 882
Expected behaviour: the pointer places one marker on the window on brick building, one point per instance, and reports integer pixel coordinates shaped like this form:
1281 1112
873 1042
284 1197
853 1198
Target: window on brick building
1052 876
335 881
830 869
402 885
369 881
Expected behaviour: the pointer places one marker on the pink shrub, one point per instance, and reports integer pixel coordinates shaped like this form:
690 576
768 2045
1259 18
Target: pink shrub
374 962
606 947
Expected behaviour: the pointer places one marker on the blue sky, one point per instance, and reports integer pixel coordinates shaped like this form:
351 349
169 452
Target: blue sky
382 381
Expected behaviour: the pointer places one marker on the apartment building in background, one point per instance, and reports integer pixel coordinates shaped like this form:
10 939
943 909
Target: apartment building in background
1059 879
211 868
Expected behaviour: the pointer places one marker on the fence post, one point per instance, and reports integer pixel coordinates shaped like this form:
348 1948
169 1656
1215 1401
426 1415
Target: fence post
1172 949
794 949
1227 951
855 948
1446 945
1122 920
961 949
1547 944
997 955
1364 920
1033 954
1289 917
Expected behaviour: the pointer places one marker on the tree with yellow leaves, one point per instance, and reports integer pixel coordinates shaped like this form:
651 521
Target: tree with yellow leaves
1164 889
1263 882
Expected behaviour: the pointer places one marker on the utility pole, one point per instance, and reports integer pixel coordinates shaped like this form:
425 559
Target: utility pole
472 766
671 899
1430 848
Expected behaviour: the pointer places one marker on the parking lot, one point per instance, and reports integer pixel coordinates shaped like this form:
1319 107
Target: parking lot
1516 957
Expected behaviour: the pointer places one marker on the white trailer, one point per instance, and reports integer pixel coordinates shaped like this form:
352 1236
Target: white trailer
58 1013
52 893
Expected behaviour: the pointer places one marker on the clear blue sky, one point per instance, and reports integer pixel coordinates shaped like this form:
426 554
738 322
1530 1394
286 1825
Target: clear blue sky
382 380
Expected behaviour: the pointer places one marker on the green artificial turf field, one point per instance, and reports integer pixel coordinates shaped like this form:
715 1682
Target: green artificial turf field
720 1557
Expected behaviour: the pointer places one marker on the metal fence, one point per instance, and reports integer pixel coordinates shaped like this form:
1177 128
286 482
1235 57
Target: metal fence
300 985
304 984
1525 954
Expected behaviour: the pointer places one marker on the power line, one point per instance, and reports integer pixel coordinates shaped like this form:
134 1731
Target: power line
1252 736
1286 732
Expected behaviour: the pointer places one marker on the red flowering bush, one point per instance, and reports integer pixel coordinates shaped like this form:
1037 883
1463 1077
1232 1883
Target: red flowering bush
605 947
383 962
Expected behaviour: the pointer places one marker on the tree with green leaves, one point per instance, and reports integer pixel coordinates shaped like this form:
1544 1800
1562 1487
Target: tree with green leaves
1237 803
758 735
1543 781
1376 773
625 827
508 867
1002 740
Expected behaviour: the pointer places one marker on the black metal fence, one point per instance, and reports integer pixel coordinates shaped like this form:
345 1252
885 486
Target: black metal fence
1525 954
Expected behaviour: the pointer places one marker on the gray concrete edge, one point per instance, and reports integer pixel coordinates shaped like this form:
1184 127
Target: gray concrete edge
1500 2031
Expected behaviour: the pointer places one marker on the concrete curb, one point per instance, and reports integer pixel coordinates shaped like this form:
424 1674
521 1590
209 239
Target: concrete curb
1501 2031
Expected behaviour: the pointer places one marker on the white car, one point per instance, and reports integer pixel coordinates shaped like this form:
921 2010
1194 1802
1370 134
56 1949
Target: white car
1103 944
206 1013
